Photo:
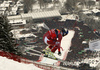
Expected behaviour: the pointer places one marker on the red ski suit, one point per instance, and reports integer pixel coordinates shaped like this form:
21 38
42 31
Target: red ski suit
50 38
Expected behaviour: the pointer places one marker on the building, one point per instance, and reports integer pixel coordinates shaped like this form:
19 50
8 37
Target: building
94 45
47 15
17 23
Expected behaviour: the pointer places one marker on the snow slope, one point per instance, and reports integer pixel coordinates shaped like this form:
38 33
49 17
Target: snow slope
7 64
65 44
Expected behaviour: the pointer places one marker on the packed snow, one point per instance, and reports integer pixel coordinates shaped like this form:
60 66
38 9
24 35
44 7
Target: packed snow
7 64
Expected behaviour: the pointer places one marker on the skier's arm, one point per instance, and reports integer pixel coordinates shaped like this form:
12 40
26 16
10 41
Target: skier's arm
51 41
59 38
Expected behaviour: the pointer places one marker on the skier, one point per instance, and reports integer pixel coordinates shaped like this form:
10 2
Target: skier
53 38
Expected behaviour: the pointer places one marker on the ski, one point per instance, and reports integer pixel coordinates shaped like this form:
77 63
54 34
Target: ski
39 51
33 54
36 51
44 56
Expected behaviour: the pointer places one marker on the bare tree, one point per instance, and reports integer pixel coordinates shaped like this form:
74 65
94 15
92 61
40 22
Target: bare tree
28 4
91 3
15 1
41 3
70 5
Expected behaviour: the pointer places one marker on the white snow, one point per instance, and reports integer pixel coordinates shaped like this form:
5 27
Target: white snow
17 34
65 44
50 5
95 10
87 12
5 4
96 18
17 21
36 7
7 64
70 17
43 25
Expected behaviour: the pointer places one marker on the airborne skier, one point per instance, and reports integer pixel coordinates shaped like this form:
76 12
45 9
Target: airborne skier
53 38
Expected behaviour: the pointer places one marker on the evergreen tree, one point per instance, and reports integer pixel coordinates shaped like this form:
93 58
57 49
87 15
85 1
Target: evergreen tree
7 43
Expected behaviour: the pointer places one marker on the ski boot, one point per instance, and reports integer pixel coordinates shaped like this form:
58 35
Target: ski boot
46 54
46 50
51 55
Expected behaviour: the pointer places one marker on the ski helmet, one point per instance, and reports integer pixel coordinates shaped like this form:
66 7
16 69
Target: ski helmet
64 31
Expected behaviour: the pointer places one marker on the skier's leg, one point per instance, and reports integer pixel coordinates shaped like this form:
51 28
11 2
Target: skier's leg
48 49
54 49
51 55
50 46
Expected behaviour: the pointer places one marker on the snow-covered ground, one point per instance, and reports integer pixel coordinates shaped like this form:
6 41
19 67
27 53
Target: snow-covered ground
7 64
65 44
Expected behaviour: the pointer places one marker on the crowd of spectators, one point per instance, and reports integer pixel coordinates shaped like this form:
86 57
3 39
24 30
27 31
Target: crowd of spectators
78 52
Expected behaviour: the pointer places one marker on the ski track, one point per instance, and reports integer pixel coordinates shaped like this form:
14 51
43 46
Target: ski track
65 44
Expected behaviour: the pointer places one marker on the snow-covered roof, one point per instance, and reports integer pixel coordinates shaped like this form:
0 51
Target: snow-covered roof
45 14
38 15
96 18
96 10
85 9
87 12
2 8
14 8
43 25
25 35
17 34
36 6
19 4
8 64
14 17
50 5
5 4
69 17
18 21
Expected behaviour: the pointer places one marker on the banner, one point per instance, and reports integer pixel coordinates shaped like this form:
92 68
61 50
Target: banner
94 45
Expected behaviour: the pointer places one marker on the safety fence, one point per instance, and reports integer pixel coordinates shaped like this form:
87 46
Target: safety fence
26 61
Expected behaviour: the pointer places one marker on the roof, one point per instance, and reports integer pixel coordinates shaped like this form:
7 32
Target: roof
5 4
45 14
18 21
14 8
14 17
38 15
